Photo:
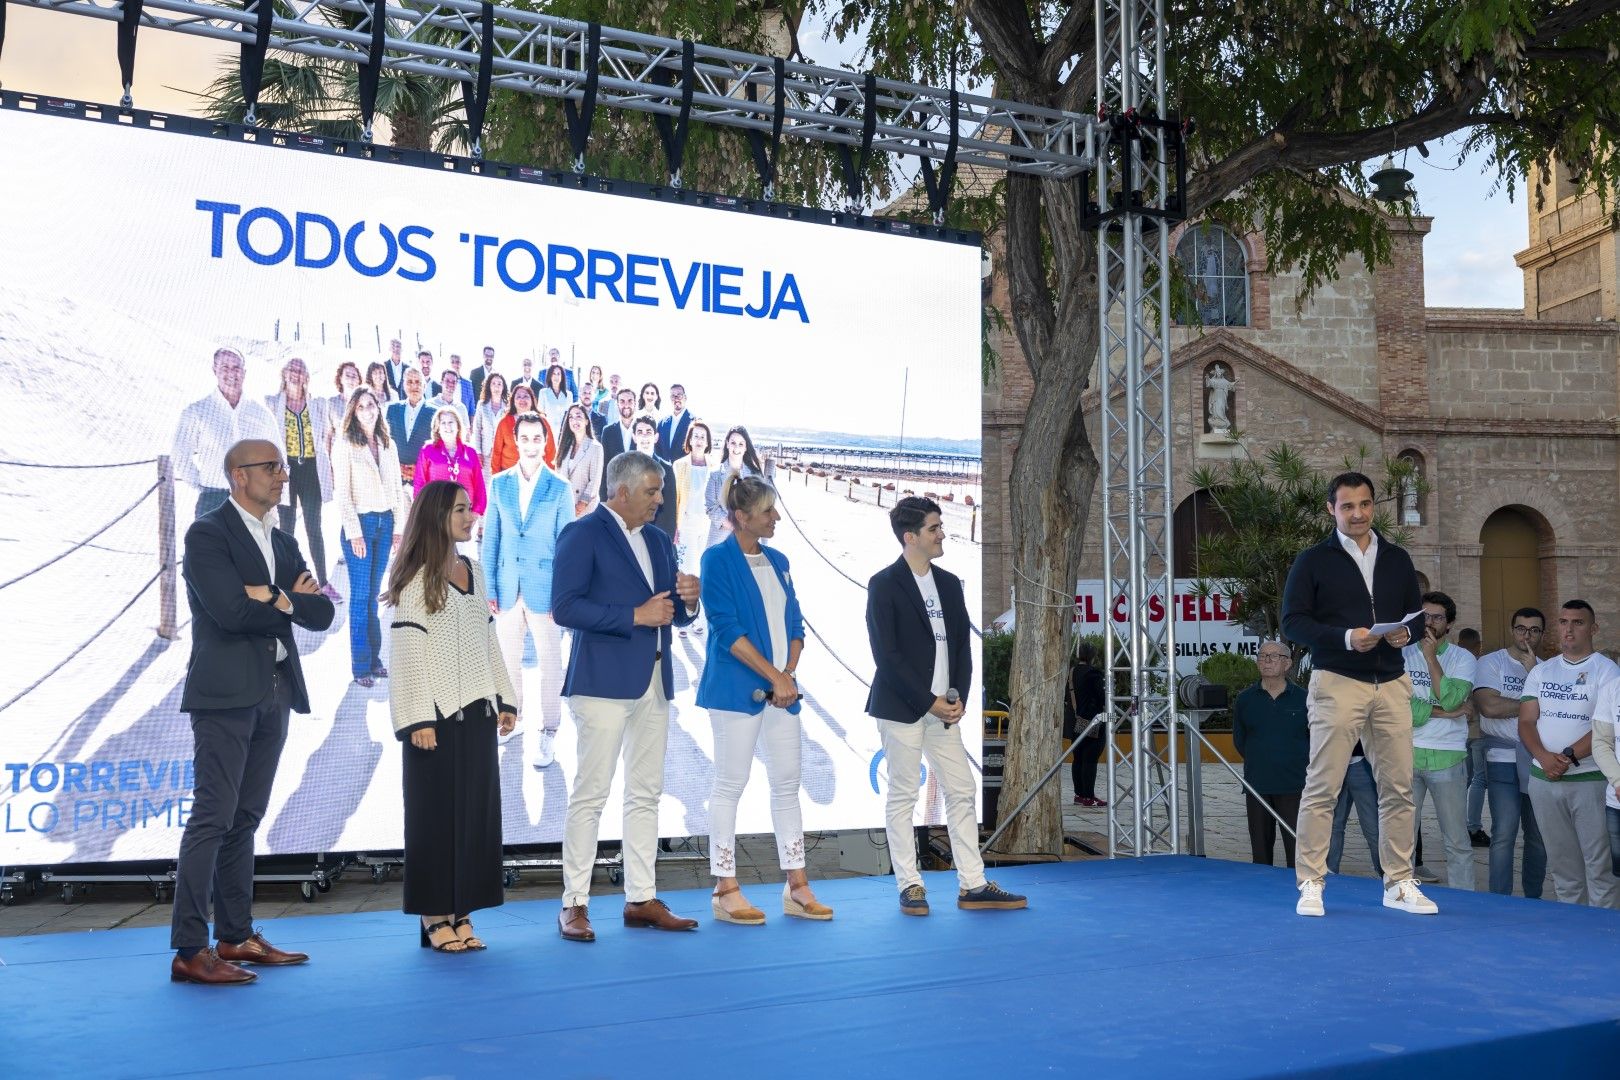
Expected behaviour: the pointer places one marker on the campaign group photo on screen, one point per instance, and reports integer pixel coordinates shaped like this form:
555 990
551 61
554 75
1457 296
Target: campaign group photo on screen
385 337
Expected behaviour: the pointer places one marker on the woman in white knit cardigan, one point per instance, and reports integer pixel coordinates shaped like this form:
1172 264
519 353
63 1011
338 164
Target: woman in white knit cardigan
449 691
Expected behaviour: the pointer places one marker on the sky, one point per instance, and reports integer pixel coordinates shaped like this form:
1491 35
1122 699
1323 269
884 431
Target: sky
1468 255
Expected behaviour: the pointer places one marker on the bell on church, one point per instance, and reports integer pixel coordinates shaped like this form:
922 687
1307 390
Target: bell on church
1390 183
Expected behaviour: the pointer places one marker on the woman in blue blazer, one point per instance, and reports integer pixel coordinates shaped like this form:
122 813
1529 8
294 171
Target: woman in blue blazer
756 635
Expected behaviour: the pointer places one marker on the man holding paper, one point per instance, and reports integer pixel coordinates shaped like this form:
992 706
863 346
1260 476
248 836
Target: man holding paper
1339 601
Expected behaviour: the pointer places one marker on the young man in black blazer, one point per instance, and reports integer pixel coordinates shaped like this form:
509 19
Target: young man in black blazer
920 634
247 586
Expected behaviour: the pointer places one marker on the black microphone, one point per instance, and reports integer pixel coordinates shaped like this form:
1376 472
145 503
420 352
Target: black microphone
951 698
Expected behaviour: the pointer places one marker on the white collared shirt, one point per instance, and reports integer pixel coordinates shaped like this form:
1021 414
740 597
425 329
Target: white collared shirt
411 413
526 486
260 529
1365 561
638 545
209 427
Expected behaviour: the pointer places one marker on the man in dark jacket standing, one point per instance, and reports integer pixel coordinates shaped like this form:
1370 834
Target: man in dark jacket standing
1353 600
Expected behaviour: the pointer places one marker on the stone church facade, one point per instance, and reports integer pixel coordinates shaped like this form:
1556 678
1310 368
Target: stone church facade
1512 416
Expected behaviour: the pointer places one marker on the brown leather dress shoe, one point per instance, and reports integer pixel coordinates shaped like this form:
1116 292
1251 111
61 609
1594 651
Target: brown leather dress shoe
208 969
653 914
574 923
256 950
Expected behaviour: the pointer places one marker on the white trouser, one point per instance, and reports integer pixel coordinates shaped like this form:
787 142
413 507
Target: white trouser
776 732
905 746
509 627
606 725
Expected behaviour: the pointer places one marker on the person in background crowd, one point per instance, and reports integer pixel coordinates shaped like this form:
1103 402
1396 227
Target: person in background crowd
211 425
1468 640
487 420
739 460
393 373
482 372
692 471
1442 678
449 696
247 588
1563 697
620 436
1084 698
528 378
424 362
598 389
448 457
917 623
448 397
348 381
410 422
672 428
1271 730
464 390
651 402
378 380
758 635
1335 593
554 356
644 432
371 505
579 460
1498 686
309 465
1361 791
606 402
554 396
613 584
528 507
522 399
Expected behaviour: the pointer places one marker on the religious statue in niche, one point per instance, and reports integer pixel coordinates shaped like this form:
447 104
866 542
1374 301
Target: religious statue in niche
1410 514
1218 399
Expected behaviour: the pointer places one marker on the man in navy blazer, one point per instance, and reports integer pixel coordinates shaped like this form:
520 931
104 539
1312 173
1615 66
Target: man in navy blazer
614 576
529 506
672 429
921 640
410 424
247 586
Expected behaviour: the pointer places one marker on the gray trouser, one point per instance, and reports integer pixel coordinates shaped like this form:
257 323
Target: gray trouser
236 755
1575 831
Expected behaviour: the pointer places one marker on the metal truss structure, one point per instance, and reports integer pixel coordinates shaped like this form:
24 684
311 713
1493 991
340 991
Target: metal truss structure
1131 152
551 57
1138 195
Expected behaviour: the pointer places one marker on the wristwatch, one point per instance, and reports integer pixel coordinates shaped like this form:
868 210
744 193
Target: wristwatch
275 594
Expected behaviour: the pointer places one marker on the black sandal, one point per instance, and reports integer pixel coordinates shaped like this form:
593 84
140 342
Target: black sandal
454 945
472 940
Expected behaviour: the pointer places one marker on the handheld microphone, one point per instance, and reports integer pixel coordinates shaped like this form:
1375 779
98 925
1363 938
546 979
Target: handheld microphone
951 698
759 695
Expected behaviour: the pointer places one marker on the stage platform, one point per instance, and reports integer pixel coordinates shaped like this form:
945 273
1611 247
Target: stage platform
1164 967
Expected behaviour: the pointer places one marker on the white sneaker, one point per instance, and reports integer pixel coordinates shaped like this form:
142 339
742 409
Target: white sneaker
1425 875
546 753
1406 896
1310 898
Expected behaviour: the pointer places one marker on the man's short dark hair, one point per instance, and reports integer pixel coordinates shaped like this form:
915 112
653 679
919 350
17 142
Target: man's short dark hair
527 418
424 352
909 514
1444 601
1467 634
1352 480
1529 613
1578 605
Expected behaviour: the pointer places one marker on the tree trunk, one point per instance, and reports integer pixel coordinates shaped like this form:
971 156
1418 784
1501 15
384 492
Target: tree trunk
1050 491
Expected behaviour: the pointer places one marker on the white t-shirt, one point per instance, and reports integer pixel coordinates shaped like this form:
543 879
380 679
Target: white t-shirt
1606 710
936 619
1500 672
1568 694
1440 732
774 597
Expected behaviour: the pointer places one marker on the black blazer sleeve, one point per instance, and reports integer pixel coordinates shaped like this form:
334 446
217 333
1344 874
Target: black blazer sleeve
312 611
215 584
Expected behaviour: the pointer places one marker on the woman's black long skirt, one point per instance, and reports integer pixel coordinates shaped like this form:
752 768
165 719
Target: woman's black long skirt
453 818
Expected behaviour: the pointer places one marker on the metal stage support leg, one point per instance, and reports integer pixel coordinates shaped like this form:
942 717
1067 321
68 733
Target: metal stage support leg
1134 204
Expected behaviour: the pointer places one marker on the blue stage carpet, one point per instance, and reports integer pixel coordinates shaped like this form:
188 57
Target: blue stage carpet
1166 967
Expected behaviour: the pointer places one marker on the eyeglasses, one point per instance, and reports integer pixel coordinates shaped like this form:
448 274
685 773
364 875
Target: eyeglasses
1275 656
1533 631
272 468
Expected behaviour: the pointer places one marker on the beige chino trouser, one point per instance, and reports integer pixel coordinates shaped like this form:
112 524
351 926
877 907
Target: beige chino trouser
1342 710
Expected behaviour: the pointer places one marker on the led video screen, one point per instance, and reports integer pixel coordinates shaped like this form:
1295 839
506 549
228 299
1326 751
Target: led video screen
163 293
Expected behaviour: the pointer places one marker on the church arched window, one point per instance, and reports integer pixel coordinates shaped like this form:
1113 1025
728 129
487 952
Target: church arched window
1217 272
